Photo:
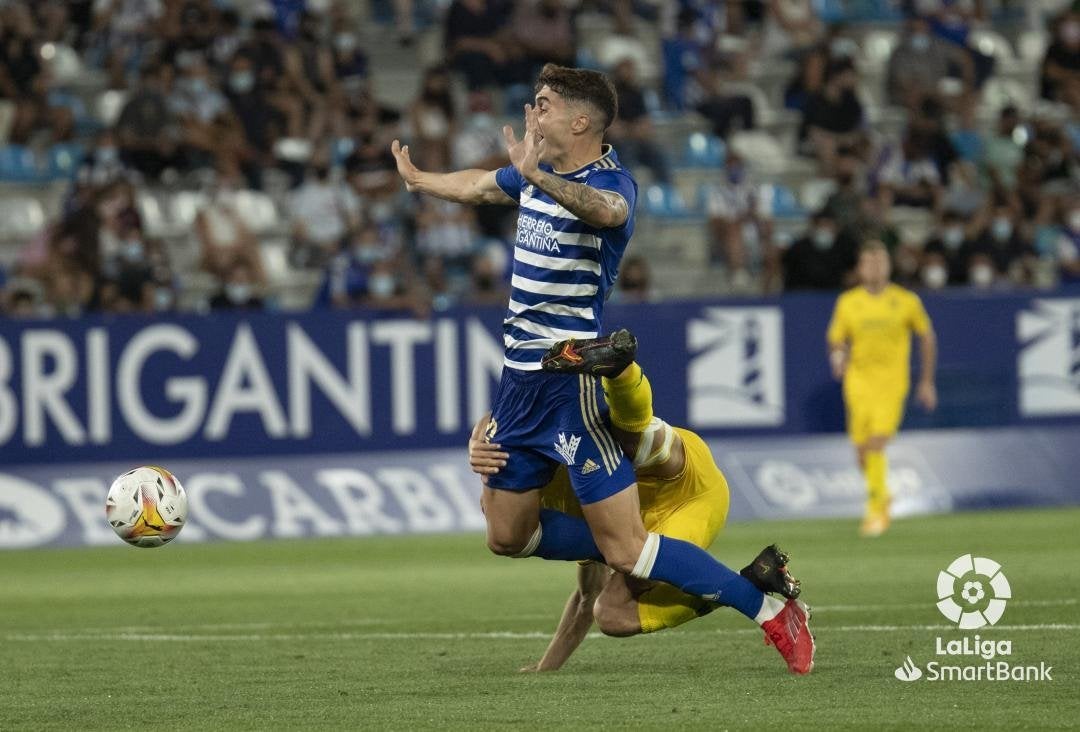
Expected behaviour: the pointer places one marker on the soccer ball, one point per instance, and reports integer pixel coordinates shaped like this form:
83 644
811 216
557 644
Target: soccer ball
146 506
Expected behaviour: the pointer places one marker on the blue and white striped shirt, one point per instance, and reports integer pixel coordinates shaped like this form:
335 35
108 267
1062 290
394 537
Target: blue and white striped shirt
563 268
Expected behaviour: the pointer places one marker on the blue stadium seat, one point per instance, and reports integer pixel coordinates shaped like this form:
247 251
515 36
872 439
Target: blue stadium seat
665 201
785 204
968 144
64 160
704 151
18 165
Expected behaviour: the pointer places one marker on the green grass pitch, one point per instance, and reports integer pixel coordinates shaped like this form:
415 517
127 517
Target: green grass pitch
429 632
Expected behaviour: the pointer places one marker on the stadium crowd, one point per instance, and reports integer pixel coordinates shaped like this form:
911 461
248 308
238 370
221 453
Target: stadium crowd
232 147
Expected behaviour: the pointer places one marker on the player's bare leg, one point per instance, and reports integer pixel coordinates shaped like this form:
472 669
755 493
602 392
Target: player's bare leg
875 467
512 519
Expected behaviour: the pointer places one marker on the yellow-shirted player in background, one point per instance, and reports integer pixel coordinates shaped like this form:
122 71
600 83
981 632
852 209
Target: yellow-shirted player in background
682 494
869 340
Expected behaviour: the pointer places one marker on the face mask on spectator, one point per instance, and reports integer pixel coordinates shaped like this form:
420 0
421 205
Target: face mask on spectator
382 285
981 275
132 250
920 42
198 85
366 254
1001 229
107 155
345 42
242 82
952 237
822 238
1074 221
163 299
238 292
934 276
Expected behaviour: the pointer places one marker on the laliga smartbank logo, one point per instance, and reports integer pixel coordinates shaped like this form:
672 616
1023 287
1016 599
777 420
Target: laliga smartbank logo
972 592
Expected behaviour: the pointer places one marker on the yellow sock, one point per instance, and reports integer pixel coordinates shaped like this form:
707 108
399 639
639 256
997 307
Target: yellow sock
629 397
665 606
875 470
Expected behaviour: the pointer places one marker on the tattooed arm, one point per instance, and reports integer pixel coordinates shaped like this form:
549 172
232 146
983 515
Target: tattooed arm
596 207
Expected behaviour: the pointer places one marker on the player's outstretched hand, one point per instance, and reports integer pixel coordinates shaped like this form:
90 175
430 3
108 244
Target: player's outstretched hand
926 395
485 458
525 153
405 167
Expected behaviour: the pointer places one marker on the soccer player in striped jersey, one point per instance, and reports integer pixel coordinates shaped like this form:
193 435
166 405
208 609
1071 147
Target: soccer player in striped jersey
576 205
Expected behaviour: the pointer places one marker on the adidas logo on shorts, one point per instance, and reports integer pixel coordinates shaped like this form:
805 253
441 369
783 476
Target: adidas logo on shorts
589 467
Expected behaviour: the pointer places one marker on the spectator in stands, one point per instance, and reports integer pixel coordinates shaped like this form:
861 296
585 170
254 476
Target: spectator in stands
101 164
437 286
25 82
225 240
446 231
146 131
791 27
1060 76
211 135
350 61
907 175
833 117
623 42
1004 151
262 123
322 213
473 34
124 29
372 174
238 290
539 32
950 245
813 261
480 143
127 273
487 286
23 299
432 121
933 270
1001 245
740 225
634 284
921 62
633 133
1067 246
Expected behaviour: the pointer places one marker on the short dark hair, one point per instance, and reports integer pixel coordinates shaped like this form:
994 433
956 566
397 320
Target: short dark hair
873 245
581 85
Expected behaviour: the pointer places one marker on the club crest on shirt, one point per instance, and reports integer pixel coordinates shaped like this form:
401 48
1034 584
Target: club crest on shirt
567 449
527 191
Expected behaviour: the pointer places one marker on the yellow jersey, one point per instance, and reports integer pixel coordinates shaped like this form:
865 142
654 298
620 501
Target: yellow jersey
877 329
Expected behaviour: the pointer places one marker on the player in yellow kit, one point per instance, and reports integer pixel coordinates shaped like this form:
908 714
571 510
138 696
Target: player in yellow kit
869 341
682 494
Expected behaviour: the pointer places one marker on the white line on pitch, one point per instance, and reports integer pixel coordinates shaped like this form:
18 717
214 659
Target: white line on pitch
495 635
917 606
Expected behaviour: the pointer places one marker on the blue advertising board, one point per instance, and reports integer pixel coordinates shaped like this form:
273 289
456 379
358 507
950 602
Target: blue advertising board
339 382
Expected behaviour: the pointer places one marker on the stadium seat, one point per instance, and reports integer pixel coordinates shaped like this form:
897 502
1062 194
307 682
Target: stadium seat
21 217
704 151
877 46
64 160
109 105
665 201
760 149
64 63
814 193
784 203
992 43
257 211
184 206
1031 47
1000 92
18 164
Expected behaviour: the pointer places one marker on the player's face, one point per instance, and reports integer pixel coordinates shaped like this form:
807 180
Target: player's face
874 268
553 116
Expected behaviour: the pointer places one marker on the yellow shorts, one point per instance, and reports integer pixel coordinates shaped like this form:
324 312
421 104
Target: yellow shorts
873 415
693 507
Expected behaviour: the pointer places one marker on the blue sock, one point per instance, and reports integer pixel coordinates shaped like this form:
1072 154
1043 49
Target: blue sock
696 572
565 537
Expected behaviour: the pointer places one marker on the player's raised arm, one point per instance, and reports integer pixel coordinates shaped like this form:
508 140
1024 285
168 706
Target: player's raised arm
595 206
463 186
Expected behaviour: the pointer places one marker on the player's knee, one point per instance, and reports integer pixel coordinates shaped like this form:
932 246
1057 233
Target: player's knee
616 620
504 546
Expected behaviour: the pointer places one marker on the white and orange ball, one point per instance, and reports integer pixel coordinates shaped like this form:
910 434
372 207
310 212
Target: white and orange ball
146 506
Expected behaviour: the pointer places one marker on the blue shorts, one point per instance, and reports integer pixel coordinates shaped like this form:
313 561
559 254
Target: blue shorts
544 419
